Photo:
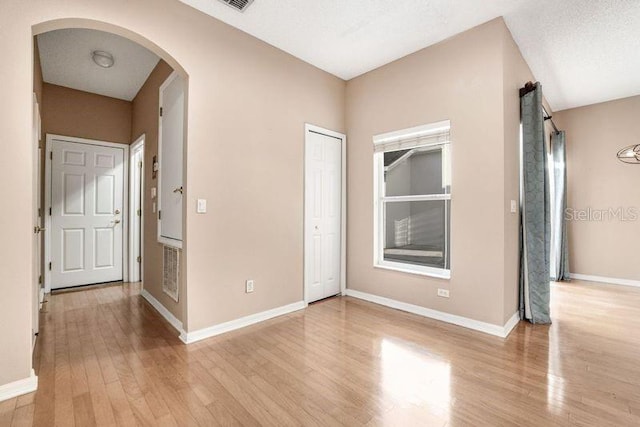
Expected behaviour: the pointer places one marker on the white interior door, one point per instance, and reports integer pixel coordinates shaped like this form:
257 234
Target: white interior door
323 213
87 202
37 221
171 143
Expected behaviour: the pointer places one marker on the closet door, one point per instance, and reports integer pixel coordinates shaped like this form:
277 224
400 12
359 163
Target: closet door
323 215
170 149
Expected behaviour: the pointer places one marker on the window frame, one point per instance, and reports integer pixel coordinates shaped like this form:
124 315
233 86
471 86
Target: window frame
380 199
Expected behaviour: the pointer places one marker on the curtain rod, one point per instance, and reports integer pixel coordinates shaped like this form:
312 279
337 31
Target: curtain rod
550 118
530 87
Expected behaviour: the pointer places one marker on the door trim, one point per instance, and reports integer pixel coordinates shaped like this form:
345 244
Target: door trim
51 139
37 251
343 214
138 145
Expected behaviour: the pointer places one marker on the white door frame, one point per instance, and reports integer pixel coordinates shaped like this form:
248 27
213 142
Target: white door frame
36 284
343 215
136 198
51 138
41 222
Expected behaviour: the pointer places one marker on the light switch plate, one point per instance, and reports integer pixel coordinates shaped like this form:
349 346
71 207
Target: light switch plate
153 192
201 206
514 206
249 286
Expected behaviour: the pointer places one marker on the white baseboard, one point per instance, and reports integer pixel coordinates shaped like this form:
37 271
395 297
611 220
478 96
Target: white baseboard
487 328
173 320
191 337
20 387
511 324
606 280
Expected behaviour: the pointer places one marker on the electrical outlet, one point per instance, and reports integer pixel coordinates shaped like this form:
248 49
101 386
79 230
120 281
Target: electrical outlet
249 286
444 293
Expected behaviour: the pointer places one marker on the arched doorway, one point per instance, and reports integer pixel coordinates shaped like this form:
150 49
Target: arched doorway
146 128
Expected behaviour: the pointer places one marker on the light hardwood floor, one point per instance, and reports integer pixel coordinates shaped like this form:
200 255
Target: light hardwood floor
105 357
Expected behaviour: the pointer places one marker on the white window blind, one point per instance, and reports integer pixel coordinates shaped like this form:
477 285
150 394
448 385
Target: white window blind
421 136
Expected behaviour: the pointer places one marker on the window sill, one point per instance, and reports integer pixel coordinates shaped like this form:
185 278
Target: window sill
438 274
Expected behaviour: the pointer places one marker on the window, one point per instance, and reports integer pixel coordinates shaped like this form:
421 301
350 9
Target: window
412 187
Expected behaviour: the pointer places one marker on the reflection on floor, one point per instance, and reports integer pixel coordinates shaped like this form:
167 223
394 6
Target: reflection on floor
105 357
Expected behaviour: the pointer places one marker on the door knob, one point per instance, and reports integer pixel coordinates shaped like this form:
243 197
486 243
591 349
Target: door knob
117 212
178 190
116 221
37 229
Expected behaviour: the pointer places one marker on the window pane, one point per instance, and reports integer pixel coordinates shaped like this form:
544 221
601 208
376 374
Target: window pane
417 232
417 171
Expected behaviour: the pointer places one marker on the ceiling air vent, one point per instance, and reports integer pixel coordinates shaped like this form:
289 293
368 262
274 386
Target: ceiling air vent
240 5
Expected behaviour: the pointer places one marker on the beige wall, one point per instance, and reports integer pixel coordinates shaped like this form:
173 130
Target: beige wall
247 103
145 121
71 112
247 161
597 180
472 80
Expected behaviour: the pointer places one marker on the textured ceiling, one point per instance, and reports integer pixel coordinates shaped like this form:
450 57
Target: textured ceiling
583 51
66 61
348 38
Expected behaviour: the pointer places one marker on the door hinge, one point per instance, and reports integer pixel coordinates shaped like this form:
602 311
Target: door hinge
160 111
39 212
139 212
140 165
49 266
40 280
49 211
139 259
51 155
160 215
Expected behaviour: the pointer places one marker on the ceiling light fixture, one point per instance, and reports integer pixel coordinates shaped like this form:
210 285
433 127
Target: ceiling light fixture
102 59
630 154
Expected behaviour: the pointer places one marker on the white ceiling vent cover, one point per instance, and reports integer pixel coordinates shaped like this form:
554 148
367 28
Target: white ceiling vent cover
240 5
170 273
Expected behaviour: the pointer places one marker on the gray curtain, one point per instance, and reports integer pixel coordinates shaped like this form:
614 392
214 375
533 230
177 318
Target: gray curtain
535 219
560 254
